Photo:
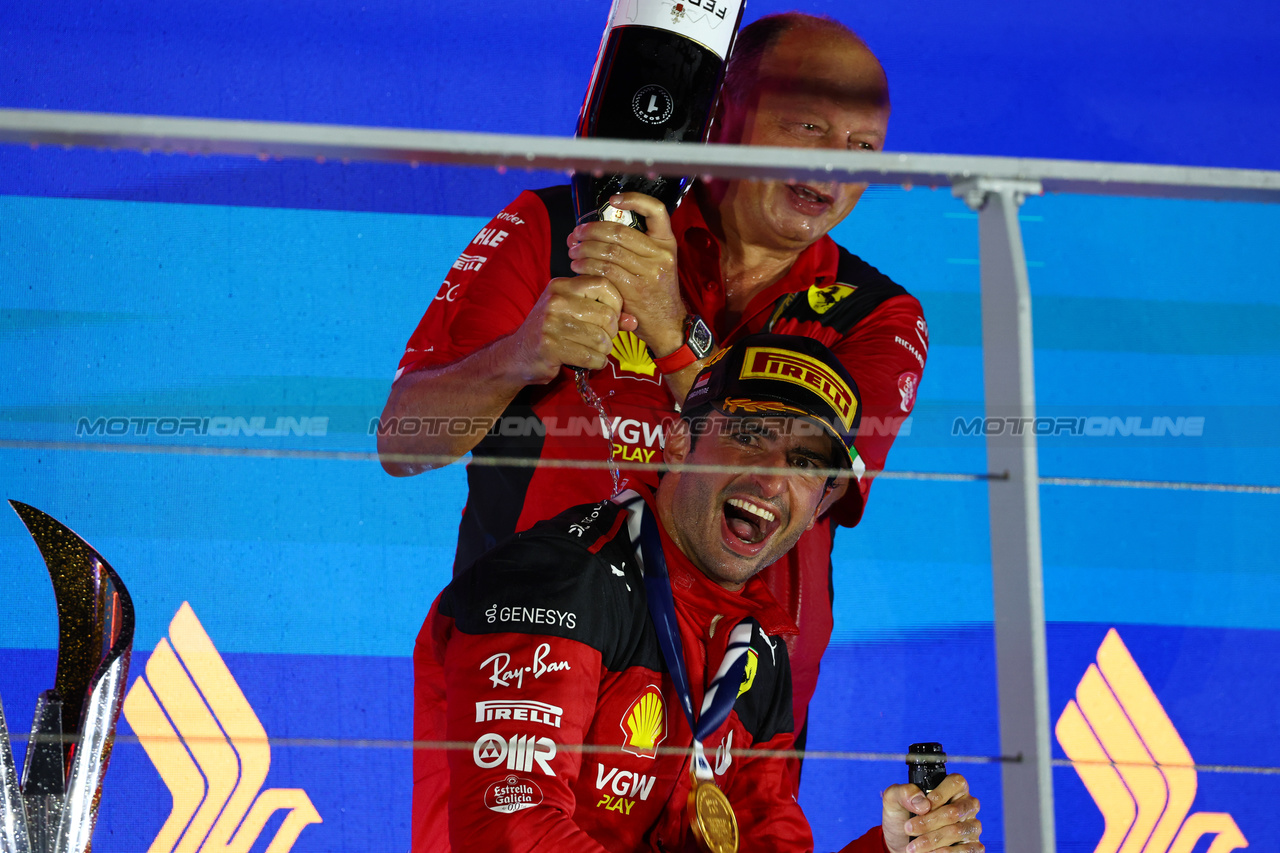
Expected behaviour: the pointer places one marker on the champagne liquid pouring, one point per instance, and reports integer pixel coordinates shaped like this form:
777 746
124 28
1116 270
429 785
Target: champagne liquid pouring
592 399
581 375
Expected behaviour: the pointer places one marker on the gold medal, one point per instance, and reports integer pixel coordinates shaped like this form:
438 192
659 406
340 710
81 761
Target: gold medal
711 818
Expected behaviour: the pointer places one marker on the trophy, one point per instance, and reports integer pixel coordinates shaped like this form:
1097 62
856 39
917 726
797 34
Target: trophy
54 807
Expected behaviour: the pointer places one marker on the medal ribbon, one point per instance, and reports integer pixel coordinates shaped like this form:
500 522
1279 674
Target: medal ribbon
723 692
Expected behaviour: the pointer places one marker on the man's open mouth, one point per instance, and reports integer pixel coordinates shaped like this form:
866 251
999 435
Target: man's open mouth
809 195
748 522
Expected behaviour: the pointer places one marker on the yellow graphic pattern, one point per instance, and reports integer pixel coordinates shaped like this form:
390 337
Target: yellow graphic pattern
645 724
822 298
210 749
1134 764
632 355
749 677
733 405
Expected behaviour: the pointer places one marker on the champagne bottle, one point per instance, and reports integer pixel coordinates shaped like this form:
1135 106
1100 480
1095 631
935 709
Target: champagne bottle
657 77
926 766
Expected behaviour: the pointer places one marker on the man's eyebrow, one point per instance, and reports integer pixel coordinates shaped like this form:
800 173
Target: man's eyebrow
810 453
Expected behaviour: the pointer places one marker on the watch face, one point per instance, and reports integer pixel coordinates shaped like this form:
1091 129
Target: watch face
700 339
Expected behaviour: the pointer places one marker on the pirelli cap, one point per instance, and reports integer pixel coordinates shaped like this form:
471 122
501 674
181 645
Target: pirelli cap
783 375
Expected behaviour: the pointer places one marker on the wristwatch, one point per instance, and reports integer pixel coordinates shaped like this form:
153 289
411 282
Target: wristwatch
698 344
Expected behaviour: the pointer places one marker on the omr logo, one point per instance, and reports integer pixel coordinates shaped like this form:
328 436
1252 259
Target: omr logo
1134 764
209 748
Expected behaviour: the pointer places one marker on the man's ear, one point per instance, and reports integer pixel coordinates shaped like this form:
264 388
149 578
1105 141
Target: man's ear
831 493
676 450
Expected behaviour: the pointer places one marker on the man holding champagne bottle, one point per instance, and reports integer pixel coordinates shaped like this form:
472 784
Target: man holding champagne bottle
534 297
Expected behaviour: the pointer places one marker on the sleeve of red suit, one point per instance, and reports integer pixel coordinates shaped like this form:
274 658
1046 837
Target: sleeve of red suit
485 665
872 842
490 289
885 354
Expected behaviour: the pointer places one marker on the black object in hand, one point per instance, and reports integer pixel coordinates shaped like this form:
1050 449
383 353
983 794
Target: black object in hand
926 765
657 77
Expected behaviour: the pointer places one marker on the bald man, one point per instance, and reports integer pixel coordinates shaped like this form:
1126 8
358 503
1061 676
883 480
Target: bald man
489 368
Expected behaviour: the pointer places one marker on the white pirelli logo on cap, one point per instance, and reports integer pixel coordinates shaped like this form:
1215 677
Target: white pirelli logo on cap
805 371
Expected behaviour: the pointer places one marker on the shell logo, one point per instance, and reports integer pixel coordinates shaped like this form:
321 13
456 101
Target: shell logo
209 747
631 357
645 724
1134 764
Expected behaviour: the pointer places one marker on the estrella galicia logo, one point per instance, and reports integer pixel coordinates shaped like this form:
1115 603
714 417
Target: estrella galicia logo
208 745
1133 762
512 794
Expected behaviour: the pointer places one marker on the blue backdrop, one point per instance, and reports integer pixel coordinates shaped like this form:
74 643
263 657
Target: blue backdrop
137 286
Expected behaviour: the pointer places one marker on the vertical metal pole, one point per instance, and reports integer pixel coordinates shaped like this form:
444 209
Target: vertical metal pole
1014 504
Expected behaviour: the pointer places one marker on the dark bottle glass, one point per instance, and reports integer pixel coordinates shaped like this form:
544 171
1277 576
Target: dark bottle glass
926 765
657 77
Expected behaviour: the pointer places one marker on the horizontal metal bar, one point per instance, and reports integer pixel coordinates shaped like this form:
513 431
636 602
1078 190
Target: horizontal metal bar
589 464
432 460
1185 486
286 140
588 748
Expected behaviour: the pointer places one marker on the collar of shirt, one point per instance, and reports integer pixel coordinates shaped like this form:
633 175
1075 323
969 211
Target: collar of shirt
702 283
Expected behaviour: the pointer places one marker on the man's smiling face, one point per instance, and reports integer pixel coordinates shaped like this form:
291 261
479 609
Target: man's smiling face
813 89
735 523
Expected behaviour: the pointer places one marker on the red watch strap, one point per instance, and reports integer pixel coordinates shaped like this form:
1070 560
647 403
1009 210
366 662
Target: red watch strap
678 360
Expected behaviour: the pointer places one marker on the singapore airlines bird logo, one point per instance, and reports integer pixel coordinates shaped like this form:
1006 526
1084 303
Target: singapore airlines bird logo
1134 764
209 748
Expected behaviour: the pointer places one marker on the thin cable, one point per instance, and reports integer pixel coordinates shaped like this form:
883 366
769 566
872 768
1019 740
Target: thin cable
810 754
439 461
1104 482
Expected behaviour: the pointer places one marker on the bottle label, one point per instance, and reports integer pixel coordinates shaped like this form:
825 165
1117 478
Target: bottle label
708 22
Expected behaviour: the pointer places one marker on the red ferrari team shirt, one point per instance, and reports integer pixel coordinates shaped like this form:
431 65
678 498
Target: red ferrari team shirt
496 282
543 659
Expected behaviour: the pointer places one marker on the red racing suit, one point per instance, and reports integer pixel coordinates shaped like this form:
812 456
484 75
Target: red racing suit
543 655
874 326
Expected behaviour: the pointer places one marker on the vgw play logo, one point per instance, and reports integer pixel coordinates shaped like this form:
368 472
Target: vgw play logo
1134 764
210 749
